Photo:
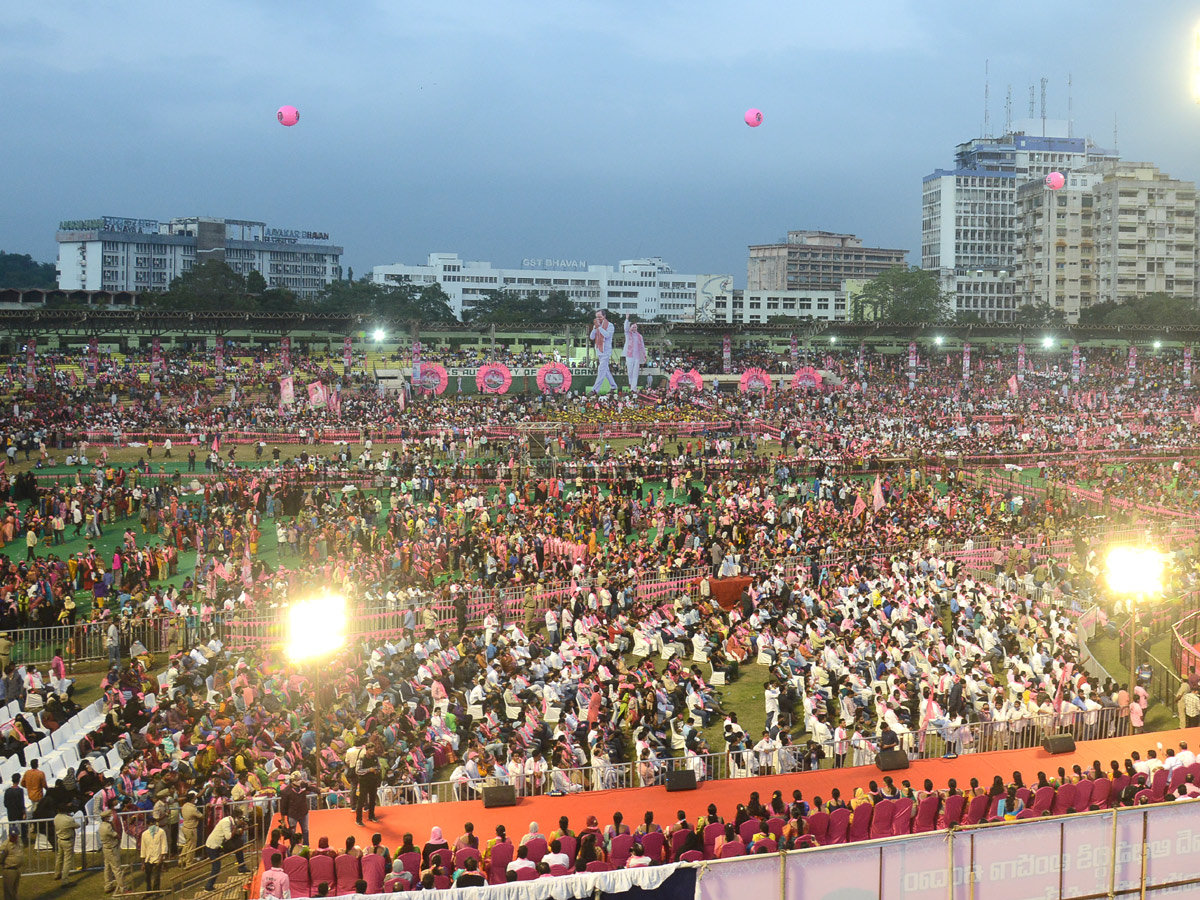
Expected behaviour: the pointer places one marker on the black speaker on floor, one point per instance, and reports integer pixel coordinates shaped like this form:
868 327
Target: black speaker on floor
683 780
891 760
499 795
1059 743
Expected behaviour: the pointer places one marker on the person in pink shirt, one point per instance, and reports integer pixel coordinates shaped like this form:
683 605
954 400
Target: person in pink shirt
275 882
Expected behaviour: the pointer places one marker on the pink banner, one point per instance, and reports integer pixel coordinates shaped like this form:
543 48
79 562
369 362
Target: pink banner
1075 364
155 360
347 354
1132 363
1187 364
93 367
416 366
1021 362
912 365
287 391
219 354
966 363
285 354
727 355
317 397
31 364
795 348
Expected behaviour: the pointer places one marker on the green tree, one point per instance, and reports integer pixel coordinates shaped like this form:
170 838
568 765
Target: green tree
1039 314
901 295
404 301
509 307
20 270
1153 309
210 285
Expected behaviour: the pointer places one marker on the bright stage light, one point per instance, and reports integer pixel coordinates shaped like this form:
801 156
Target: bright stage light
938 340
379 335
1047 342
316 627
1135 570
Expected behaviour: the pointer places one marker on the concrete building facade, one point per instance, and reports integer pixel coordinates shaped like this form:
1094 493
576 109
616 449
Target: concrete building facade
816 261
645 288
1116 231
968 213
112 253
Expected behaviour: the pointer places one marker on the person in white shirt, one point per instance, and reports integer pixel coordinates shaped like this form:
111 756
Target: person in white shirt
1185 756
602 336
522 861
637 858
556 857
771 702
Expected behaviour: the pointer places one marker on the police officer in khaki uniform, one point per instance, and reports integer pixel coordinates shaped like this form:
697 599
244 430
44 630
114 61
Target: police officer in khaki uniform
191 817
12 861
110 843
6 646
64 851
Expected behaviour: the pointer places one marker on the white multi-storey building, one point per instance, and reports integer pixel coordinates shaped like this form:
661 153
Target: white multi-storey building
119 254
968 212
1115 232
753 307
645 288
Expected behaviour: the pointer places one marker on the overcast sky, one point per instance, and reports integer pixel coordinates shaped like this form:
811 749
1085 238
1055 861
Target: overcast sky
586 129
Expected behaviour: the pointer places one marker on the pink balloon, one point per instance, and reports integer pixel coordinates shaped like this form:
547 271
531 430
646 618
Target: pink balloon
1055 180
288 115
753 118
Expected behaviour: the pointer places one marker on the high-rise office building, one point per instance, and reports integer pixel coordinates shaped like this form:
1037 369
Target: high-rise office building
1116 231
968 212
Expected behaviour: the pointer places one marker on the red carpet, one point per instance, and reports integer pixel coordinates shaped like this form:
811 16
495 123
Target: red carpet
337 824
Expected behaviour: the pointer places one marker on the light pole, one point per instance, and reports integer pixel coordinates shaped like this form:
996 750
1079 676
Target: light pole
316 630
1134 573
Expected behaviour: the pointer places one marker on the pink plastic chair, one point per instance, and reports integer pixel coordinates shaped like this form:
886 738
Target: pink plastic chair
1064 799
1158 785
569 845
622 846
653 843
677 840
767 845
559 871
1101 792
692 856
599 866
527 874
952 811
348 872
536 849
1118 786
1083 794
818 826
1043 799
775 826
881 821
860 822
733 848
297 873
977 810
502 855
748 830
440 883
839 827
445 856
320 868
902 817
373 872
712 831
927 814
461 857
412 865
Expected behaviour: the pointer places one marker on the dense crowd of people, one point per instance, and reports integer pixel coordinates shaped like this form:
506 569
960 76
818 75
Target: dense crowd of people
554 592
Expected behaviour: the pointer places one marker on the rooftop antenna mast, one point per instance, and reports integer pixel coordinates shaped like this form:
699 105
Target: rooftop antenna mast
987 118
1115 144
1008 111
1044 107
1070 108
1032 112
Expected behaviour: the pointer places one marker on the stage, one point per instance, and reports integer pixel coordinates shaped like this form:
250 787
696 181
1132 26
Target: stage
419 819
